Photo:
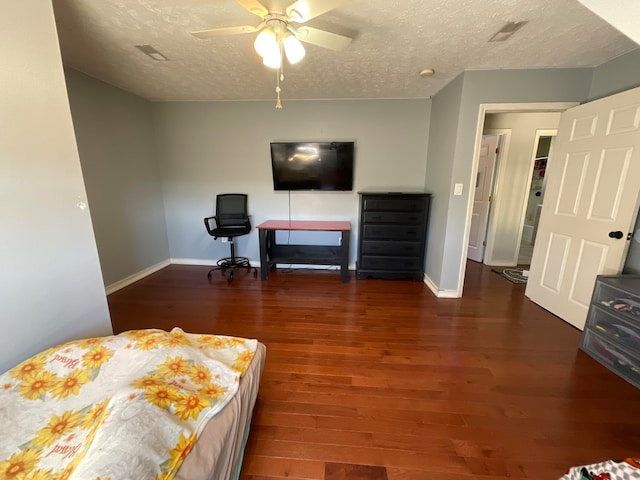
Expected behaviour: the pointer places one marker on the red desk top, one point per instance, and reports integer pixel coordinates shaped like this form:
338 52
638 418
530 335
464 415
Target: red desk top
304 225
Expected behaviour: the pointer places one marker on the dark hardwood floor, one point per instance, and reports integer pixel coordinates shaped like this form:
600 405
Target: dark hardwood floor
380 379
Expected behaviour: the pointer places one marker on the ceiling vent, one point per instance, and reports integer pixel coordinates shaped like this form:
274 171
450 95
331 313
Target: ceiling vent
152 52
506 31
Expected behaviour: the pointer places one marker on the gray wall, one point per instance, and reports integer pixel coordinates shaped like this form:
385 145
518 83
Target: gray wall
615 76
51 287
481 87
633 258
222 147
117 152
445 114
209 148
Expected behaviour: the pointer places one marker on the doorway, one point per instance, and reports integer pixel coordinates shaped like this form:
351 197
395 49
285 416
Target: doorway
510 198
538 182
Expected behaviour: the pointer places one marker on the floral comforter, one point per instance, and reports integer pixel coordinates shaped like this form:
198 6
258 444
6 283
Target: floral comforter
128 406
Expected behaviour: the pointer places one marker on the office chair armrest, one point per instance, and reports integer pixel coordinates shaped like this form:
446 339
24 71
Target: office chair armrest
207 224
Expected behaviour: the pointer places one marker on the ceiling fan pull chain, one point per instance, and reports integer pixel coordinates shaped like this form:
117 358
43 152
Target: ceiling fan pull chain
279 78
278 103
281 69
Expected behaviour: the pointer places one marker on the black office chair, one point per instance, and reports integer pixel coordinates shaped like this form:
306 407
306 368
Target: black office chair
231 220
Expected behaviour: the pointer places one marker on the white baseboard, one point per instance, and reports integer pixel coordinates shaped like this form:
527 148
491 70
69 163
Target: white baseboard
114 287
440 293
120 284
192 261
502 263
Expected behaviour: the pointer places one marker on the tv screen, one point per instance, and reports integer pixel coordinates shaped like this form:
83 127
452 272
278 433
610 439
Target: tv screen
312 165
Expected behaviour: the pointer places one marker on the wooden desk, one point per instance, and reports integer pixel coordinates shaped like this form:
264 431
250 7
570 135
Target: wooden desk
272 253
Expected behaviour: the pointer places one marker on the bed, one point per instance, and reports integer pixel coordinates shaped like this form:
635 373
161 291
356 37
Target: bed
627 469
145 404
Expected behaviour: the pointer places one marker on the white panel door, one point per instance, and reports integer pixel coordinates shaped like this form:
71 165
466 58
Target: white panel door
481 198
591 199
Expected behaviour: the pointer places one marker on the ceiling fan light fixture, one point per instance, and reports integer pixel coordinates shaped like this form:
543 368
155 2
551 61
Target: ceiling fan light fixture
293 49
273 59
266 43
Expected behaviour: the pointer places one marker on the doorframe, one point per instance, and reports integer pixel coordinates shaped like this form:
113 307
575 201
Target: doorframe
483 110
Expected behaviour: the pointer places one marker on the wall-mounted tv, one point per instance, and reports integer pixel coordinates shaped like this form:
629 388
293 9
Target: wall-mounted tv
312 165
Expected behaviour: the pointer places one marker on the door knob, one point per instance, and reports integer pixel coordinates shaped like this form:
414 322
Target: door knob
617 234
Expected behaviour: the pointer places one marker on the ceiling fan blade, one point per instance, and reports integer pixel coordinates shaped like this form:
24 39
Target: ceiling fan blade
322 38
304 10
218 32
255 7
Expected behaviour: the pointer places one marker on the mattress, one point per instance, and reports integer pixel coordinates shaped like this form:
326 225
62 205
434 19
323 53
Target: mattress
217 455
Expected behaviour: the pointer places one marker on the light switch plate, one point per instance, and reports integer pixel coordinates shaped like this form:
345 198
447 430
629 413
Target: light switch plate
457 190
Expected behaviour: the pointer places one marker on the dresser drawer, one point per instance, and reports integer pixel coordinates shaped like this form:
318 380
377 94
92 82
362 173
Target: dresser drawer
391 248
394 204
615 328
393 217
406 264
393 232
618 301
617 359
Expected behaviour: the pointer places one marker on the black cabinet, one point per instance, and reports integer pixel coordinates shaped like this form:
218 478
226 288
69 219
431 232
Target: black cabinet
612 330
392 235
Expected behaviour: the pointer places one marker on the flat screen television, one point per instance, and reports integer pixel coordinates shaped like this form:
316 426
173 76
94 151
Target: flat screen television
312 165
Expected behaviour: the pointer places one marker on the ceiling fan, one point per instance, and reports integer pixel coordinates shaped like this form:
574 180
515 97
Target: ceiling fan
280 31
279 34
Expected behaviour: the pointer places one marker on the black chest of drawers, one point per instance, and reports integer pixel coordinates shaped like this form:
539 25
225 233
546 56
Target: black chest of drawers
392 235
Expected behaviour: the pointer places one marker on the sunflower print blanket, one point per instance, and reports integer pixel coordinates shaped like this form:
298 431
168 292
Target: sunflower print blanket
128 406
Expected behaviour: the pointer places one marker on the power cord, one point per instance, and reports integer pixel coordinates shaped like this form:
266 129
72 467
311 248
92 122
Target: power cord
289 231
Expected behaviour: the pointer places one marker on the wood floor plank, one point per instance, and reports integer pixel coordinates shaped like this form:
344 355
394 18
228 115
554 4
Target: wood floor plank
274 467
345 471
376 373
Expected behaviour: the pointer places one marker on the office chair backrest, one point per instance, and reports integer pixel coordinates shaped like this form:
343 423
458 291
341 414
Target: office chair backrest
231 209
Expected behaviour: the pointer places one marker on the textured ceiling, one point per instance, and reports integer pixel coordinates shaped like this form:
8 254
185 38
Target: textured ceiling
393 41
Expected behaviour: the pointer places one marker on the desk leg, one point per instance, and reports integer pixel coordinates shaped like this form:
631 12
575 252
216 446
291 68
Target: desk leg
264 267
344 253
